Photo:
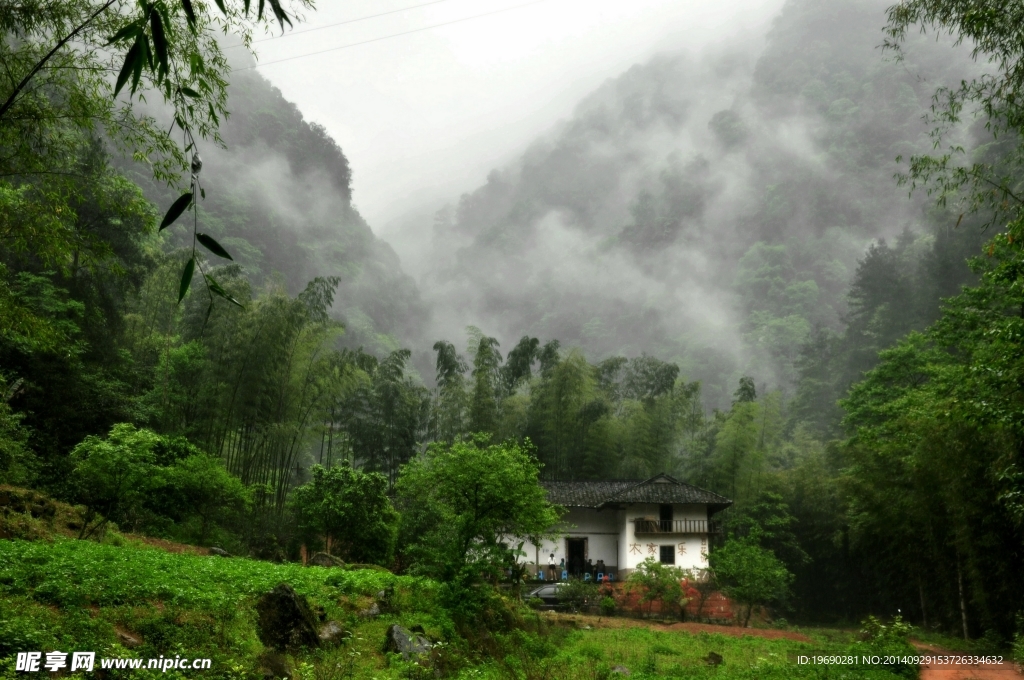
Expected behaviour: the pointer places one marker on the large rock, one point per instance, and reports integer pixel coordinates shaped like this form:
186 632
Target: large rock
285 620
385 599
332 634
321 559
128 640
219 552
411 646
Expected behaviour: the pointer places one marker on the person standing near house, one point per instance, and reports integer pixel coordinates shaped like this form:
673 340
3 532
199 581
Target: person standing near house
551 567
561 567
590 567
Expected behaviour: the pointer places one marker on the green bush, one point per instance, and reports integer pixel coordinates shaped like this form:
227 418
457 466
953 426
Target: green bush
607 606
351 510
577 594
114 476
890 640
655 582
750 574
459 504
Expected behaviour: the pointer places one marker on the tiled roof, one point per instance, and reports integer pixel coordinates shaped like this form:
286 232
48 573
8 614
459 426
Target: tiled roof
657 489
584 494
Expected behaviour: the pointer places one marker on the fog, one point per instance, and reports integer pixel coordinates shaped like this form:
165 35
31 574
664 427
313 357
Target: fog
688 180
426 116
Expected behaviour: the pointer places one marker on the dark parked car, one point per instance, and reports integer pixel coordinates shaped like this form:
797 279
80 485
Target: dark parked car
548 593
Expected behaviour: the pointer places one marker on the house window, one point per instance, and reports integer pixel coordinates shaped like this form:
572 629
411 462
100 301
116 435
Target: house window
668 554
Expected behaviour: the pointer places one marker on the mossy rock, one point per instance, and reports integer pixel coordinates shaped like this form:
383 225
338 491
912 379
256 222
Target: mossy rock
371 567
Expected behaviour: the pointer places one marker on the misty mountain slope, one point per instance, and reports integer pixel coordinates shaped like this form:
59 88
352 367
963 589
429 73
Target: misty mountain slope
710 210
279 199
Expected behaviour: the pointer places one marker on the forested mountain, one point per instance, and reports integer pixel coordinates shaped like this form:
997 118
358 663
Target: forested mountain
279 198
711 210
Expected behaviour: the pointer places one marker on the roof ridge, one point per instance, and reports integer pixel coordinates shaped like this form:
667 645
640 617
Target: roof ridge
660 488
611 499
595 481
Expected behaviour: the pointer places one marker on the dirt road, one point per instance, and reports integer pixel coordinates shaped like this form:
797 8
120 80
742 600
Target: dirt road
1004 671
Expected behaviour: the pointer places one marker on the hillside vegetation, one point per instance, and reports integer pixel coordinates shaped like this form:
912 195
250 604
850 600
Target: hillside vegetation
132 601
708 271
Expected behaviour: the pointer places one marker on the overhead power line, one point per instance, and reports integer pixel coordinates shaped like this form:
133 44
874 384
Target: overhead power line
343 23
393 35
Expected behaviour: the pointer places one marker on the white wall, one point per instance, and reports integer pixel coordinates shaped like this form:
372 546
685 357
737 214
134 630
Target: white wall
691 551
601 528
610 537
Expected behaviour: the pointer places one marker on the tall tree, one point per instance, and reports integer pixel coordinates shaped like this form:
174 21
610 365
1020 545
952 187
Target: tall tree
451 401
483 406
350 510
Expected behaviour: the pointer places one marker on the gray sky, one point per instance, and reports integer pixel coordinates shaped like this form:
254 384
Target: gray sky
423 117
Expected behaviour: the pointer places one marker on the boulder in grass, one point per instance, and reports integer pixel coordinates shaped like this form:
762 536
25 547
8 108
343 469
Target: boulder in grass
412 646
332 634
322 559
219 552
714 659
128 640
621 670
385 599
285 620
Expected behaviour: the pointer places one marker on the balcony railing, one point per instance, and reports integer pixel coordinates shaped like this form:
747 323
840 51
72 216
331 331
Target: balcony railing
675 526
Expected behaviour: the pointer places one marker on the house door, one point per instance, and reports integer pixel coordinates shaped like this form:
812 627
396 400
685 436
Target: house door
665 517
576 550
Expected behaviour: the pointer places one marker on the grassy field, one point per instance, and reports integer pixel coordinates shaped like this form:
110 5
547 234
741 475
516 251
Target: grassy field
81 595
593 653
126 599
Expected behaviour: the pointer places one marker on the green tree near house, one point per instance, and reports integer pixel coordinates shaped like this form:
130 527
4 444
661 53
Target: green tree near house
749 574
654 582
463 505
350 510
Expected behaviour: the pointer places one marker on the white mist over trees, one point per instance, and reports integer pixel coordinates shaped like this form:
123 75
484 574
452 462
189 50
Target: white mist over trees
279 199
707 209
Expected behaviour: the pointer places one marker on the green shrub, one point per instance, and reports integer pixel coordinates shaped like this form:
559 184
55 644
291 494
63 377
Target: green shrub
750 574
608 606
351 510
655 582
889 640
577 594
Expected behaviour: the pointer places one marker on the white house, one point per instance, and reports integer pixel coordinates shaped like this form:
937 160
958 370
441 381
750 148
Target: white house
623 522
